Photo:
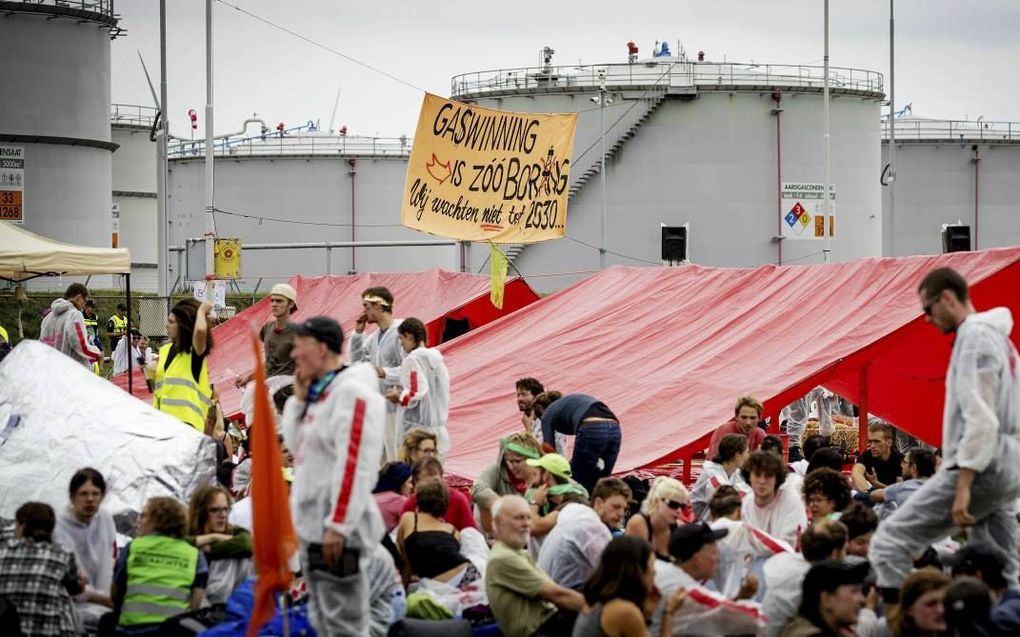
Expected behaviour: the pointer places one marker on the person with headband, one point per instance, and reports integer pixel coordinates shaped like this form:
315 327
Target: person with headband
510 474
383 350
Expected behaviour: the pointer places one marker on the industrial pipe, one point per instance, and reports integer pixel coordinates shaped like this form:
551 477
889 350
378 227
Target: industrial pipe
352 162
976 161
777 95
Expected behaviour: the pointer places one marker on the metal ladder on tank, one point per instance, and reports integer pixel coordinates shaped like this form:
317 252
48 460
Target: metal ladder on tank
652 100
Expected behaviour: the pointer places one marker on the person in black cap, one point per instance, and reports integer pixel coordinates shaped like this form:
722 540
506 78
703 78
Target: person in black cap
832 599
333 424
116 327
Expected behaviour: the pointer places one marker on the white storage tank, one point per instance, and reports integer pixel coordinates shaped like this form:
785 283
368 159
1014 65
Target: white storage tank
134 190
699 143
55 111
952 172
702 144
303 186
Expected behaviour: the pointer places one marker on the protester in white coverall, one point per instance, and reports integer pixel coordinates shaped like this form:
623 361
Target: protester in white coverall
978 483
773 506
423 396
724 468
797 416
333 426
382 349
64 327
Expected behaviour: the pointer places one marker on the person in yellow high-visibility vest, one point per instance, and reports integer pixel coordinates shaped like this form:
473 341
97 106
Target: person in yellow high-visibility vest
182 373
116 327
4 338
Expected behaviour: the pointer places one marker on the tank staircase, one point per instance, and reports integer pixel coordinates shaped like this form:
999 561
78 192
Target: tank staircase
651 102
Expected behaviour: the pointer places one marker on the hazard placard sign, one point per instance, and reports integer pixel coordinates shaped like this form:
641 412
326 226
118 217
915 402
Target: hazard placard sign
802 211
12 183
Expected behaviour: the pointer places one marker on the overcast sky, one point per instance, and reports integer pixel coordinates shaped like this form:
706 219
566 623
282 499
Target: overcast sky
953 60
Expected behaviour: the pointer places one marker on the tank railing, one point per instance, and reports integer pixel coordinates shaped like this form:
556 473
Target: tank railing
680 73
132 114
953 129
104 7
275 144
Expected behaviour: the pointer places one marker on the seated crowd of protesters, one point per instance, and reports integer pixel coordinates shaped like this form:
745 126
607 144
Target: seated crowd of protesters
747 546
540 544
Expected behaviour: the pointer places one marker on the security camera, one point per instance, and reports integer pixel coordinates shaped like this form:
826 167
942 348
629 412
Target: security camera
594 99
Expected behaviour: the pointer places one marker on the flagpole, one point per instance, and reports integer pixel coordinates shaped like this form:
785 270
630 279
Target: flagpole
283 613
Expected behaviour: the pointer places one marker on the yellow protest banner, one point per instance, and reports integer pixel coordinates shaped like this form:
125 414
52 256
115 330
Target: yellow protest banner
497 276
478 174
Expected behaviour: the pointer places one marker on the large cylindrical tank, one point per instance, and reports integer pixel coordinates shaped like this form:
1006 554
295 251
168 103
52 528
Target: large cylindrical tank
302 188
134 189
952 172
55 105
703 144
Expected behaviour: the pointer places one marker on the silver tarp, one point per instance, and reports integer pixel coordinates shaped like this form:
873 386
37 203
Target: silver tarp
57 417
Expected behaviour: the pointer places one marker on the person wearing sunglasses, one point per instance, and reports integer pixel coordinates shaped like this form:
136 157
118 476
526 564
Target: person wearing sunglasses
668 503
979 479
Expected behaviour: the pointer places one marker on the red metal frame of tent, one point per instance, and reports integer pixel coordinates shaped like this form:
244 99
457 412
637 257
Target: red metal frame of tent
434 296
670 349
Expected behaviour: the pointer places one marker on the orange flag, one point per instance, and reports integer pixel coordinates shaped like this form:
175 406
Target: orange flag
273 529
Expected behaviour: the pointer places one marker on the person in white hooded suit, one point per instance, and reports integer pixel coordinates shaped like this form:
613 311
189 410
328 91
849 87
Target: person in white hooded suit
333 426
423 397
978 483
382 349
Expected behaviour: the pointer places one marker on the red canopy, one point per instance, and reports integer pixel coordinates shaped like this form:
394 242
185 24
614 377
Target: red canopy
670 349
434 296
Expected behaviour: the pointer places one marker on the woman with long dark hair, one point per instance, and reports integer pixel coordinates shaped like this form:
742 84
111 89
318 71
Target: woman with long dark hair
620 595
182 374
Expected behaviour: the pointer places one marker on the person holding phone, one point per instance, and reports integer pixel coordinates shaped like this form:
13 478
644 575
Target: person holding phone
333 425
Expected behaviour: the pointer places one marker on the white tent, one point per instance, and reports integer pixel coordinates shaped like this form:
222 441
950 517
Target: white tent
57 417
25 255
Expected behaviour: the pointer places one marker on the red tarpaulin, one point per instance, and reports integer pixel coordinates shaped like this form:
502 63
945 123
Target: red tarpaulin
434 296
670 349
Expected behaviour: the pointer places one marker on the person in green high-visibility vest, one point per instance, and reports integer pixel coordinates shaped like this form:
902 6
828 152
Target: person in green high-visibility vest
158 575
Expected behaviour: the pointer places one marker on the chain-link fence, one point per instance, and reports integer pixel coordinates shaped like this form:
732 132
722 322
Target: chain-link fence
148 313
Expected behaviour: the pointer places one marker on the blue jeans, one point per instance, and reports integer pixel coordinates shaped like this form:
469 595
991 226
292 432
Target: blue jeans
595 440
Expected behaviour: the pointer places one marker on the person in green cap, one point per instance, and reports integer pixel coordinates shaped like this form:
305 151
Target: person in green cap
510 475
554 490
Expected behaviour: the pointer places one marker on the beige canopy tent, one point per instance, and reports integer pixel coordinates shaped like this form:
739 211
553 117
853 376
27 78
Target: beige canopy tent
25 255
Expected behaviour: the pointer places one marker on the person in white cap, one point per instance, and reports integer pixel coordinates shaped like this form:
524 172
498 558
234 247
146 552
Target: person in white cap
381 348
276 336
